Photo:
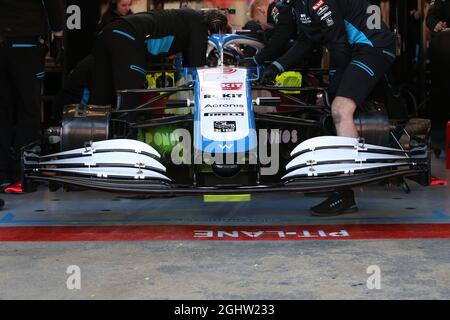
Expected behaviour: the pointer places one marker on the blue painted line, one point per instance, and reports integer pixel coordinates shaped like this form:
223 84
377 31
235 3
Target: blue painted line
438 218
7 218
438 214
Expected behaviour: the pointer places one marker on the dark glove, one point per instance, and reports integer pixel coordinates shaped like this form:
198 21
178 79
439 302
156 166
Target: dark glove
270 74
57 50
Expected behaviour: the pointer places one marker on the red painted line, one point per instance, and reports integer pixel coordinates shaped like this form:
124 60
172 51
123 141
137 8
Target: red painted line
226 233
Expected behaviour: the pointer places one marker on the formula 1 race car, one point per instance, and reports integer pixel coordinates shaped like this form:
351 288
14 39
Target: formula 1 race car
214 134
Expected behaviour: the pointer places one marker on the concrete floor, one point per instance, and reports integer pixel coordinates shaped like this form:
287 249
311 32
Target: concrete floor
410 269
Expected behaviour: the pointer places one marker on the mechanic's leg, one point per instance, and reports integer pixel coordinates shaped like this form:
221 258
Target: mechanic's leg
357 82
6 122
359 79
27 76
123 65
76 88
102 90
342 110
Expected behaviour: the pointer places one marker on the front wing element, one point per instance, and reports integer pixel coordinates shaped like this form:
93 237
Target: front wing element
120 158
318 164
331 155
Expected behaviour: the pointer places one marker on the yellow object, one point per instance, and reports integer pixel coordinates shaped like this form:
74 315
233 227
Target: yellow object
289 79
227 197
152 79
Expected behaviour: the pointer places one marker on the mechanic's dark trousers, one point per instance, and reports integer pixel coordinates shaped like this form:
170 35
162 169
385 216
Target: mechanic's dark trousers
356 76
120 63
440 81
76 88
21 75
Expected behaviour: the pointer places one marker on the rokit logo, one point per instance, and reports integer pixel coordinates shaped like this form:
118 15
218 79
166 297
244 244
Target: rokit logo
232 85
223 96
224 106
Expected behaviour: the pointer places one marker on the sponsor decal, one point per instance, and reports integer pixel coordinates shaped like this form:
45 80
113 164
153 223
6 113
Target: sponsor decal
330 22
318 4
304 19
232 85
322 10
224 126
223 96
229 70
224 105
223 114
325 16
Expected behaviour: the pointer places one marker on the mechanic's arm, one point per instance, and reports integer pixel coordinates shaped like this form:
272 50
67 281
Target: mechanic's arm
332 29
435 16
195 54
291 58
284 28
56 15
295 54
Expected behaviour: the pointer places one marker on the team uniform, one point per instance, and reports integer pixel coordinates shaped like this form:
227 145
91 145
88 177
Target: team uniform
24 27
439 11
122 48
360 55
281 15
440 65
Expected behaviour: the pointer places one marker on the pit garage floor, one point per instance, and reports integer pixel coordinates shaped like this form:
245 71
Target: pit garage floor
268 248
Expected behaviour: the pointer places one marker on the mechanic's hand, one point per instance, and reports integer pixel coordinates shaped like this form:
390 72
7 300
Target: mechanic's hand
57 49
270 74
440 26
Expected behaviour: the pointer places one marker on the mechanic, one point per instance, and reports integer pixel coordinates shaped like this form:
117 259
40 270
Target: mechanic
438 15
259 14
437 21
116 9
279 31
282 18
77 86
76 89
121 49
24 29
360 55
261 23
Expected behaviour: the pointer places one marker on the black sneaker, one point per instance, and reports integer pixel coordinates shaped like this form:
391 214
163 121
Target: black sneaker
338 203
